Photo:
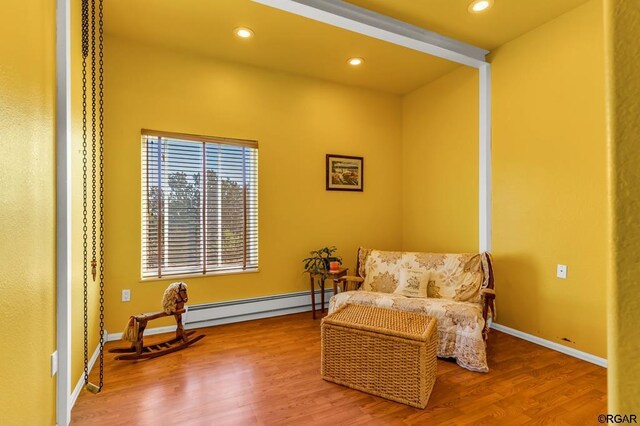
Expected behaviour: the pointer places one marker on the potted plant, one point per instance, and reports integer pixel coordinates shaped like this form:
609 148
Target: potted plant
318 263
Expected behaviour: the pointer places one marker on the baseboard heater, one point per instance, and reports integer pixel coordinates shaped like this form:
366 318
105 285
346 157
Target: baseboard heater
209 314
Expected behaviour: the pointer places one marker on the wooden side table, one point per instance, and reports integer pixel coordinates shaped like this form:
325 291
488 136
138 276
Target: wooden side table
335 277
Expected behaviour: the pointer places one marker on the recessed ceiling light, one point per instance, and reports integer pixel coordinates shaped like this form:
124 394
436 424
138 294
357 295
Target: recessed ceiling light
243 32
478 6
355 61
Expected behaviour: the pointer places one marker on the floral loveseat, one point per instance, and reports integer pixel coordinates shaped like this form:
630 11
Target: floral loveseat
457 289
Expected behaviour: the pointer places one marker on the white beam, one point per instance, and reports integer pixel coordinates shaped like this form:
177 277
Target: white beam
363 21
63 210
484 178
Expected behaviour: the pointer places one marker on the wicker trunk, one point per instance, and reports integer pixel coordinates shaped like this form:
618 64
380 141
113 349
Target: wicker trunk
384 352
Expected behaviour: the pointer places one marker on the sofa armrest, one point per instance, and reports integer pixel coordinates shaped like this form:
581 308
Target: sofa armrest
350 279
488 305
488 292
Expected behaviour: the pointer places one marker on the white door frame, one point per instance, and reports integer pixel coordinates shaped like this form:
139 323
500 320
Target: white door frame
63 210
363 21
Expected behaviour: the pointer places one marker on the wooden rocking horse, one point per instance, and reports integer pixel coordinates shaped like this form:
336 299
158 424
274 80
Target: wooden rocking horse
175 296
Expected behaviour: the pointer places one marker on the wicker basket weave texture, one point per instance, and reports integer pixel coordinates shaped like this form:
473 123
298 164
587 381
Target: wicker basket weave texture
384 352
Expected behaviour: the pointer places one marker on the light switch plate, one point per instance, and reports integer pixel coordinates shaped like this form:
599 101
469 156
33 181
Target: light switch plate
126 295
562 271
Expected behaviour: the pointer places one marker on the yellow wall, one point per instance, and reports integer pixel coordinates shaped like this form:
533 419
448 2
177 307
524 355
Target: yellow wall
549 176
622 23
27 212
296 121
549 187
440 165
77 302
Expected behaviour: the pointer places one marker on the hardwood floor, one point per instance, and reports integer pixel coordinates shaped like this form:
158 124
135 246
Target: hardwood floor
267 372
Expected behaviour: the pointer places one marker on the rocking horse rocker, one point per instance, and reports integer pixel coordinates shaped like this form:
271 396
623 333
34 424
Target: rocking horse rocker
175 296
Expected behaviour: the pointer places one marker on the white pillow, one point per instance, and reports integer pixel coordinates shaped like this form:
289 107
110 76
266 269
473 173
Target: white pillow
413 283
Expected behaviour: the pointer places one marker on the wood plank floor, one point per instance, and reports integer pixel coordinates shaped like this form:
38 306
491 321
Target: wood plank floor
267 372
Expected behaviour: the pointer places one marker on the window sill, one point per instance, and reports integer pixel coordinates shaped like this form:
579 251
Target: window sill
209 274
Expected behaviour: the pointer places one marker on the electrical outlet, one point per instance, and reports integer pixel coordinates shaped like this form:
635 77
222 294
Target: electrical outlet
126 295
54 363
562 271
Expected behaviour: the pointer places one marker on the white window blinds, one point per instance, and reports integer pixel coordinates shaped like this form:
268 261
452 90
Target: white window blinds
199 204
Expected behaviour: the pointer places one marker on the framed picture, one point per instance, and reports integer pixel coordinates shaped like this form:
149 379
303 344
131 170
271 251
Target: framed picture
344 173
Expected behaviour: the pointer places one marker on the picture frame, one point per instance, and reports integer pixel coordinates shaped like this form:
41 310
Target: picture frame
344 173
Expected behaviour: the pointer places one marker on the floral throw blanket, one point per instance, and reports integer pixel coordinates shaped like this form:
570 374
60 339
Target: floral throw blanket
460 324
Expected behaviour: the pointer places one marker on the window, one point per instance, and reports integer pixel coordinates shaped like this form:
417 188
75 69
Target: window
199 204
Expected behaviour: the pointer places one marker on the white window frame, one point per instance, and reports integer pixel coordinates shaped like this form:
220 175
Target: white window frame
251 221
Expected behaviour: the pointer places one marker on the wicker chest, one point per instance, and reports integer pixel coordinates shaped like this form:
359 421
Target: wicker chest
381 351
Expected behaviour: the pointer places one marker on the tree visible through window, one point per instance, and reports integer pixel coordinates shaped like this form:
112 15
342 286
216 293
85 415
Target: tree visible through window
199 203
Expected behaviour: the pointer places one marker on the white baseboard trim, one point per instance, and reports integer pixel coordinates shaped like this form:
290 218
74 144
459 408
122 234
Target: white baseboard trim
210 314
602 362
80 384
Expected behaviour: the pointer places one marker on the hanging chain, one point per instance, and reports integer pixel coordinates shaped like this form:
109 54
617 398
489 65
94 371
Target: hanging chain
101 143
85 52
93 140
97 145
